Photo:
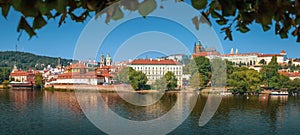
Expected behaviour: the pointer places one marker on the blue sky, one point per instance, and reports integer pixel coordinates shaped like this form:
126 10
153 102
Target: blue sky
61 41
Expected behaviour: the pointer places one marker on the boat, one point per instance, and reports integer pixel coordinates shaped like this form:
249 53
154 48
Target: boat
284 93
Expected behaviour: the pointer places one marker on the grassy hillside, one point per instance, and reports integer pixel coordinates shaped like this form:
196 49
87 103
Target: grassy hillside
26 60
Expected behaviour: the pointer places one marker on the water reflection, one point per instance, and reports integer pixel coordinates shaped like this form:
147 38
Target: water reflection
33 112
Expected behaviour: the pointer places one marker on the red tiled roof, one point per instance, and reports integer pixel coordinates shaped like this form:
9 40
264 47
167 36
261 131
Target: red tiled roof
268 55
241 54
18 73
296 61
290 74
76 65
77 75
282 51
205 54
154 62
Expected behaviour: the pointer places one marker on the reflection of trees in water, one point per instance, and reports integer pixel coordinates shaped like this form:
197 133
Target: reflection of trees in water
262 109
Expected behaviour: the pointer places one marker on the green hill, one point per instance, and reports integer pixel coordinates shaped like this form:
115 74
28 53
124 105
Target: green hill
26 60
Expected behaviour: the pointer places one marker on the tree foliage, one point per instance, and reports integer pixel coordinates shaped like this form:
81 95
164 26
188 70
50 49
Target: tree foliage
123 75
137 79
25 60
245 80
160 84
270 73
195 81
294 86
204 69
171 80
39 80
218 72
281 15
4 74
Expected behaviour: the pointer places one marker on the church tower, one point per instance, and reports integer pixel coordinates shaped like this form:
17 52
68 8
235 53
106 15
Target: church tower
198 47
102 61
108 60
231 51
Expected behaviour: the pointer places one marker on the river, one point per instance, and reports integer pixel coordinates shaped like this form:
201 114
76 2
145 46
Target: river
46 112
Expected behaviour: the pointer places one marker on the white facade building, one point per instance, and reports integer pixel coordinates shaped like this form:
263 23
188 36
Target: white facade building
155 69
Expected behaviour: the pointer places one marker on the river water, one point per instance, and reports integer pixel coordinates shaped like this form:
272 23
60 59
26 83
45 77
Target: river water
45 112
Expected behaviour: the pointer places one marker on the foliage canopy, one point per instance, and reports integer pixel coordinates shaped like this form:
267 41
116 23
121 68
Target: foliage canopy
281 15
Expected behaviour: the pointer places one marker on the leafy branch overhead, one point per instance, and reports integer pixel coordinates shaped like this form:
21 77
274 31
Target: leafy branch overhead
285 14
281 15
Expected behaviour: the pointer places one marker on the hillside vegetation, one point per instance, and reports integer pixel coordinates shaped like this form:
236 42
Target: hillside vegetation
25 60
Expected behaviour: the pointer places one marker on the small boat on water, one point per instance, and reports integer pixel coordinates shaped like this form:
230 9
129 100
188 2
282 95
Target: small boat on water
283 93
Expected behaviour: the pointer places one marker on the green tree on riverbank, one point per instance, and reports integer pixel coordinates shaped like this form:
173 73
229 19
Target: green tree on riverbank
123 75
39 80
204 69
294 86
160 84
245 80
4 74
171 80
137 79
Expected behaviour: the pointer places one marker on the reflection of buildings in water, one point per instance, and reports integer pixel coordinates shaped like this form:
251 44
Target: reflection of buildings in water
91 102
62 100
280 98
22 98
263 100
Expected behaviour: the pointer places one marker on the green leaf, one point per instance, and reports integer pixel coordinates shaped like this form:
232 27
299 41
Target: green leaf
42 7
39 22
196 22
283 34
297 20
61 6
146 7
222 22
23 25
243 29
118 14
199 4
80 18
5 9
228 7
266 27
215 14
130 5
17 4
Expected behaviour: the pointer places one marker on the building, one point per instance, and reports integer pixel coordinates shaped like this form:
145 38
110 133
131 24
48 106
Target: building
199 50
296 62
254 58
23 76
155 69
79 73
244 58
291 75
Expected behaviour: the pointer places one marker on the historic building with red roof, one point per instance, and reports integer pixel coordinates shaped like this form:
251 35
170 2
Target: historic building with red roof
291 75
78 73
156 68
